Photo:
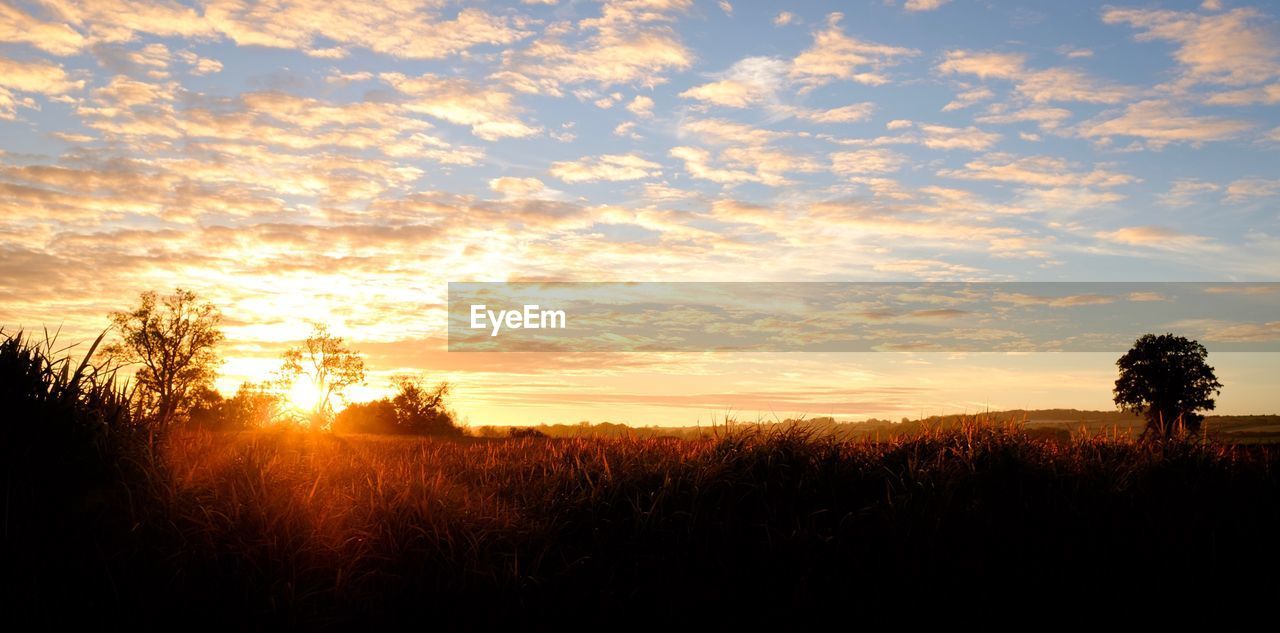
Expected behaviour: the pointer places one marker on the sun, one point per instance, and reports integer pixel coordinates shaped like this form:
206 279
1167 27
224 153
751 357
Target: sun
304 395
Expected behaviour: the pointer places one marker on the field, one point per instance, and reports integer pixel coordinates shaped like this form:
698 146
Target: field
109 520
980 523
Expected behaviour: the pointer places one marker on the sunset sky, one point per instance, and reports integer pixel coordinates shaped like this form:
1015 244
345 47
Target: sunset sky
301 161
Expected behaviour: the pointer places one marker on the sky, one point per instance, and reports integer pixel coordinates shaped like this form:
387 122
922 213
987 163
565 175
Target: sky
297 161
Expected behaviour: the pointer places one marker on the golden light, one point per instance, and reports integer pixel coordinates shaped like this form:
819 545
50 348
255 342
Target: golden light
304 395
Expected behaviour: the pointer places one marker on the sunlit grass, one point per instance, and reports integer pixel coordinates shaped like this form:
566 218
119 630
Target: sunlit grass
329 524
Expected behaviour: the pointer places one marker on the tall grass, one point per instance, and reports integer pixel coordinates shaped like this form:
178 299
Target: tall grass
66 435
975 522
980 521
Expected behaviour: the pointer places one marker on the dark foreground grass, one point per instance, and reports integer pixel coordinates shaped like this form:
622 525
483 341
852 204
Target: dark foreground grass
982 524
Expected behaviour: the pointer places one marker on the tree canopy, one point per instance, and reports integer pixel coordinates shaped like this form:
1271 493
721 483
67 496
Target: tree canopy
1166 379
173 340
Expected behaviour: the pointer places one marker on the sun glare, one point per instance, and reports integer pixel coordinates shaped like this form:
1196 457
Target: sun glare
304 395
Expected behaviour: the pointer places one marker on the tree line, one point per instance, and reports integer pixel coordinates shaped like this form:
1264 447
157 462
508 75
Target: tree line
171 344
172 341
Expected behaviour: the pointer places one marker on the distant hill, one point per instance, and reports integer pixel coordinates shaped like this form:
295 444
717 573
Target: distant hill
1047 422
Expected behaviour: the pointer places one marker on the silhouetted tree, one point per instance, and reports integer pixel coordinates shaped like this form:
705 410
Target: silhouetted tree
1166 379
329 364
254 405
173 339
421 410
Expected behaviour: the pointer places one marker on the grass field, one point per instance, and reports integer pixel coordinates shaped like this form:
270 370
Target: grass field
108 522
981 523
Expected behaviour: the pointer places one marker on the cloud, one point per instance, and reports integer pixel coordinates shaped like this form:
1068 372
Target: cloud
491 113
1233 48
1038 171
923 5
641 106
1046 117
1264 95
513 187
784 18
270 143
199 65
750 81
1161 122
36 76
1067 198
968 98
697 162
984 65
727 92
610 167
851 113
19 26
628 44
9 104
765 165
403 29
875 220
125 93
627 129
1186 192
113 21
933 136
729 132
1038 85
836 56
1154 237
1067 301
867 161
1249 188
1071 52
944 137
1219 331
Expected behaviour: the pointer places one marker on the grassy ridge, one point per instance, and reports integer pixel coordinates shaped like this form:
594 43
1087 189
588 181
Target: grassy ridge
980 523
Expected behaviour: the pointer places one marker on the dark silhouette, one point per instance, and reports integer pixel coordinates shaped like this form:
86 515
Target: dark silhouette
1166 379
413 410
255 405
172 340
421 410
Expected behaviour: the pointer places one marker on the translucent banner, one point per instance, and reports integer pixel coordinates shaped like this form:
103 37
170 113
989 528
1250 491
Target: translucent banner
858 316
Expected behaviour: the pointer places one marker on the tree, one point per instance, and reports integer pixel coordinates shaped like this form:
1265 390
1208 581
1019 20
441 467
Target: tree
414 409
254 405
173 338
420 409
329 365
1166 379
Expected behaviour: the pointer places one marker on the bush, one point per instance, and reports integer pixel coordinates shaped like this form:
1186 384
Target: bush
414 410
378 416
254 406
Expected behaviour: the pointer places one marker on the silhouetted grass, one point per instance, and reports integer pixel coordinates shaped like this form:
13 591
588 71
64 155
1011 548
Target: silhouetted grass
977 522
